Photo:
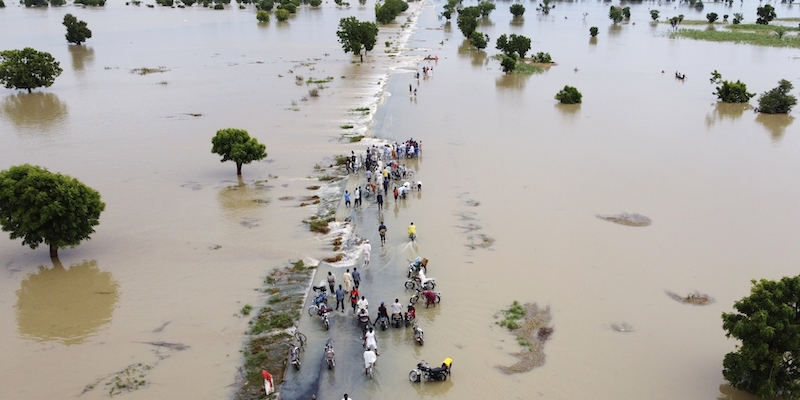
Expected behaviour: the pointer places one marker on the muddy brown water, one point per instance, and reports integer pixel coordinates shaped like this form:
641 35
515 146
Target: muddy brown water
719 184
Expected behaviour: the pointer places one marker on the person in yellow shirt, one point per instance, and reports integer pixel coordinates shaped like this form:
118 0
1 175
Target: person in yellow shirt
412 232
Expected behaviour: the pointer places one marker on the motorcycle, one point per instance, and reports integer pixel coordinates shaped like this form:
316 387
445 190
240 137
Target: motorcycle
330 356
415 266
415 298
294 355
323 313
383 322
408 319
423 370
321 296
397 320
420 284
364 322
418 337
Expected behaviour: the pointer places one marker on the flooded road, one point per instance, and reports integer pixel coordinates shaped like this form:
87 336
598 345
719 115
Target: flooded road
183 243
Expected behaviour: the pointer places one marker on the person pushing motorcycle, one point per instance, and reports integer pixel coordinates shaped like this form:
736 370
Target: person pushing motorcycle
381 313
430 298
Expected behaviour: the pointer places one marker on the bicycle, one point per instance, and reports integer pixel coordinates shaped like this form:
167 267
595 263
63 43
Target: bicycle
301 338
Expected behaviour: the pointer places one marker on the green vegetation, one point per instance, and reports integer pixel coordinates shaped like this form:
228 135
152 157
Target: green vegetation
92 3
626 12
219 6
510 45
777 100
282 15
262 16
615 14
760 28
527 69
593 31
390 9
77 31
355 35
265 5
28 69
467 23
279 321
712 17
545 7
517 10
485 8
765 14
542 57
569 95
346 126
766 322
319 81
236 145
513 316
737 18
36 3
315 3
450 8
730 92
2 4
479 40
39 206
320 224
759 39
654 15
356 138
246 309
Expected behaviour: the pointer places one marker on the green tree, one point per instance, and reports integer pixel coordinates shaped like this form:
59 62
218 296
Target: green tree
569 95
237 146
767 322
486 8
265 5
738 18
390 9
594 31
765 14
39 206
508 63
730 92
315 3
777 100
450 8
282 14
545 7
77 31
626 12
712 17
510 45
36 3
542 57
262 16
2 4
28 69
355 35
615 14
780 31
479 40
654 15
467 24
517 10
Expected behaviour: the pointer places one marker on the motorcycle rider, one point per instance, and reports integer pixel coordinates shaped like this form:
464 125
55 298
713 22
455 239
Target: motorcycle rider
382 313
362 304
370 358
412 232
411 313
370 342
397 310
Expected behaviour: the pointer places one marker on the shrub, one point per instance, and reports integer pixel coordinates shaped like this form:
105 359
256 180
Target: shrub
315 3
281 15
626 12
485 8
593 31
265 5
737 18
765 14
542 57
262 16
517 10
778 100
712 17
615 14
730 92
2 4
479 40
219 6
569 95
290 7
389 10
654 15
508 63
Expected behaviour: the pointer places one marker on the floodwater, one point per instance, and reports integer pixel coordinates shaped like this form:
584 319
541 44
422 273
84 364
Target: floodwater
183 244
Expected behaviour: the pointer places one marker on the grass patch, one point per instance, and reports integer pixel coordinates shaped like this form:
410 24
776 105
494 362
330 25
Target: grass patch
356 139
246 309
788 19
757 39
341 160
265 323
145 71
527 69
320 225
312 80
761 28
346 126
513 316
328 178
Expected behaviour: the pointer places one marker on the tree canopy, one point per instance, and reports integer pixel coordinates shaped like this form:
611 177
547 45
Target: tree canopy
389 10
730 92
39 206
355 35
615 14
777 100
513 44
28 69
77 31
569 95
765 14
517 10
237 146
768 324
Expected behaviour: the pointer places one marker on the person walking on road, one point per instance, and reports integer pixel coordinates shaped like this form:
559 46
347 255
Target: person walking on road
339 298
348 281
331 281
367 251
354 299
356 277
347 199
382 232
379 199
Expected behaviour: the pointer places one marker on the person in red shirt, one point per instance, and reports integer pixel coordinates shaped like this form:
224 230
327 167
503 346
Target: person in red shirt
354 299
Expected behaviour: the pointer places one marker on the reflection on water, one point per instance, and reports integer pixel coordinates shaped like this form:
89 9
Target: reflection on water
570 111
517 21
477 57
82 57
775 123
239 201
512 81
34 110
723 111
593 40
726 392
65 305
614 30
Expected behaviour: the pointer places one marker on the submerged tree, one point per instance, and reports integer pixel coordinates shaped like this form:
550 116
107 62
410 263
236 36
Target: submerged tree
569 95
615 15
730 92
510 45
517 10
738 18
768 325
777 100
712 17
28 69
355 35
545 7
486 8
626 12
654 15
467 23
237 146
765 14
77 31
386 12
39 206
593 31
479 40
